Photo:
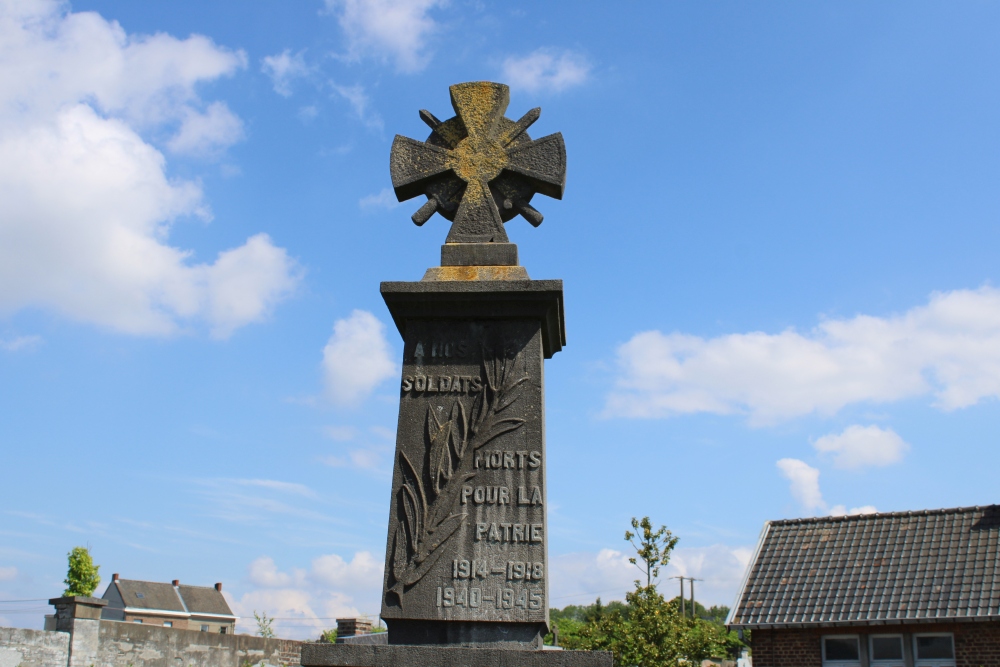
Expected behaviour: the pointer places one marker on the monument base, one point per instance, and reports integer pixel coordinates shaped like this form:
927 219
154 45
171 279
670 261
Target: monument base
397 655
515 636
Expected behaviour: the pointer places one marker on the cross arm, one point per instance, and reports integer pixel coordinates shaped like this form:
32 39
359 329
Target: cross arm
412 164
543 162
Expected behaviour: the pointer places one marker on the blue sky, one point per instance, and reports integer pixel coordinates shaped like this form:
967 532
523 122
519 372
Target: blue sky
778 240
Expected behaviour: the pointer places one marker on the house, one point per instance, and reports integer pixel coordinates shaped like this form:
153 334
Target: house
900 589
171 605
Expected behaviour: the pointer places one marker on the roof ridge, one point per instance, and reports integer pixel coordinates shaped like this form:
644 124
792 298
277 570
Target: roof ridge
873 515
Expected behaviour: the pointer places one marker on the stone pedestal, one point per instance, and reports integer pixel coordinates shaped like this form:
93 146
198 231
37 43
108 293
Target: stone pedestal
466 560
345 655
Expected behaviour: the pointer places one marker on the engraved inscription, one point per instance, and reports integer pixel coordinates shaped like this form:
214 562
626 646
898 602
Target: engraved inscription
442 384
426 513
509 460
508 532
502 598
437 349
466 537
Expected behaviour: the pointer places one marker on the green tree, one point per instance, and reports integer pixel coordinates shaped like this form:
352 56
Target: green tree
82 577
653 547
654 634
264 622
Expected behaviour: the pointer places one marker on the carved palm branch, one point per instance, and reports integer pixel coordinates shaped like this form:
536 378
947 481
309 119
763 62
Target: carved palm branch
426 518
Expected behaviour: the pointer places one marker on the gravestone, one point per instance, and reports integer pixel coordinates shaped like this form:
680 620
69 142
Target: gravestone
466 568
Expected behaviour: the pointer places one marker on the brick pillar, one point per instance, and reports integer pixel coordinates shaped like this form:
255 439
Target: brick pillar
81 618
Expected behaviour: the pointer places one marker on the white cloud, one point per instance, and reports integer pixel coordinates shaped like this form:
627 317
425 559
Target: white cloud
276 485
360 103
305 600
363 570
263 572
356 359
19 343
206 134
546 70
396 30
949 348
804 483
340 433
284 68
370 458
804 487
579 578
385 199
7 573
87 201
863 446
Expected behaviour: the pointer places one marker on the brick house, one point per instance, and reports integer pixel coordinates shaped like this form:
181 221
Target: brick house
900 589
171 605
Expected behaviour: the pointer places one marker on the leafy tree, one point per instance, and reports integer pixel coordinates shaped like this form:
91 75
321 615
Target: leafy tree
571 620
329 636
654 634
82 577
264 623
653 548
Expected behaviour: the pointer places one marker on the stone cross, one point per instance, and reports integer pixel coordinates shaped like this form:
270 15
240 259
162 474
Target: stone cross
478 169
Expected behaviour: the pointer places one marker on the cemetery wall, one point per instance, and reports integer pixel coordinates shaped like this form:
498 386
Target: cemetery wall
20 647
136 645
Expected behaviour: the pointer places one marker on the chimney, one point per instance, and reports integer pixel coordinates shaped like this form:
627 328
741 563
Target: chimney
350 627
114 577
218 586
176 582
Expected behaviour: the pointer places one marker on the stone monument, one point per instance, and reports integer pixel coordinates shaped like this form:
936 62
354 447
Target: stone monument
466 567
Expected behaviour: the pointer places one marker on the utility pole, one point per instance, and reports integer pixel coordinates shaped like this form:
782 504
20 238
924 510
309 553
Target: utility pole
683 609
694 609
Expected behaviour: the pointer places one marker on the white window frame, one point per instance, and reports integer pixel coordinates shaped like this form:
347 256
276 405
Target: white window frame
168 624
841 663
205 627
879 663
934 662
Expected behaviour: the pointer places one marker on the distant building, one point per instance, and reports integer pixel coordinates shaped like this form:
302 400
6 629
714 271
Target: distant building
901 589
171 605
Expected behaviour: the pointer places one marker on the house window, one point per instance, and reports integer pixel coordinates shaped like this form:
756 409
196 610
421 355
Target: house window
168 624
222 630
137 620
841 651
141 596
204 628
886 650
937 650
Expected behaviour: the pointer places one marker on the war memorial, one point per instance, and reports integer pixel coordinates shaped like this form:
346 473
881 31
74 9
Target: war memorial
466 565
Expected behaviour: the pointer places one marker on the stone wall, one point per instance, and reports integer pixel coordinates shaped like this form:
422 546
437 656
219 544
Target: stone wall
976 644
135 645
33 648
138 645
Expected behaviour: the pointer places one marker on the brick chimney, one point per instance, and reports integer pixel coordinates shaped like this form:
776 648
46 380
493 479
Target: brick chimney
349 627
114 577
218 586
176 582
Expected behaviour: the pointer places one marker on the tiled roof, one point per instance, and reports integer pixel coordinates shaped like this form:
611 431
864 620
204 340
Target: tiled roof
149 595
155 596
875 568
204 600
